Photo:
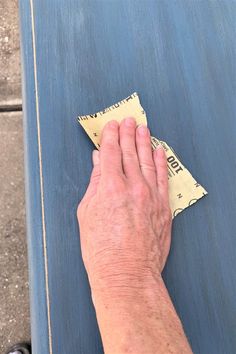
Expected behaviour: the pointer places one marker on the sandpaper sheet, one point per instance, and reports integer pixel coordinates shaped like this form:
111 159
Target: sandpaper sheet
184 190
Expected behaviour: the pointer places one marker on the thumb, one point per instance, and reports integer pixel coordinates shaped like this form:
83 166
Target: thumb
95 175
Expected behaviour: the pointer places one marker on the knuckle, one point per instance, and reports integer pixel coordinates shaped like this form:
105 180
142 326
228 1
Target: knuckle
111 149
109 145
114 185
129 154
148 165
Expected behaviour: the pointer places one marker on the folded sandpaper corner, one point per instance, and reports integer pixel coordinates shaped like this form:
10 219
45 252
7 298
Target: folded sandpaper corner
184 190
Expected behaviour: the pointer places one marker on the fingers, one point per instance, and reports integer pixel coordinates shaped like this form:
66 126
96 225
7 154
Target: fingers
162 173
145 156
128 148
110 152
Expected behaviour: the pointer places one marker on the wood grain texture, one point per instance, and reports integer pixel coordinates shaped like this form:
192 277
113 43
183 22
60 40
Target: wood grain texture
180 58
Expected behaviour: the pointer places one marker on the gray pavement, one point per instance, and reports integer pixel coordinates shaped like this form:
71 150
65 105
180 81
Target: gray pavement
14 306
10 82
14 299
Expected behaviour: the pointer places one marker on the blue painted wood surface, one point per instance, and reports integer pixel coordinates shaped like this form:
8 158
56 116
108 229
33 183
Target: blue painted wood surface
180 56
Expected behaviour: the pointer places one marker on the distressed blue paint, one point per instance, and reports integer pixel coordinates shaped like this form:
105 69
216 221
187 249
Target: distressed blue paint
180 57
39 329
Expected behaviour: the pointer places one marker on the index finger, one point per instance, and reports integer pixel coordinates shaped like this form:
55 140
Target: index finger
110 152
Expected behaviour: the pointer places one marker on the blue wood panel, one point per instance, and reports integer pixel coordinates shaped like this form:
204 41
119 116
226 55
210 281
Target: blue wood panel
180 56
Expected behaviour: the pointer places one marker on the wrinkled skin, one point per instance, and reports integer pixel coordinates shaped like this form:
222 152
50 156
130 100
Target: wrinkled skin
124 216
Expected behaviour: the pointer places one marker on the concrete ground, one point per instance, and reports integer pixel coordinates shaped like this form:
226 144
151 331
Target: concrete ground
10 83
14 299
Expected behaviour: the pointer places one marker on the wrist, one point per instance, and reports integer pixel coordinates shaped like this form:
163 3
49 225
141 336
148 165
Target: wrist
129 294
118 283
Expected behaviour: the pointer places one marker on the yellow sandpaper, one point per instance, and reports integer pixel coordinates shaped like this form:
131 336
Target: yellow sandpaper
184 190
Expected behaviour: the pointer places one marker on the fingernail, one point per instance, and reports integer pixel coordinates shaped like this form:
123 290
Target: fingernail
142 130
130 122
96 157
113 124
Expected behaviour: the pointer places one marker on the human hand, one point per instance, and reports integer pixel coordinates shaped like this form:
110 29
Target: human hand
124 216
